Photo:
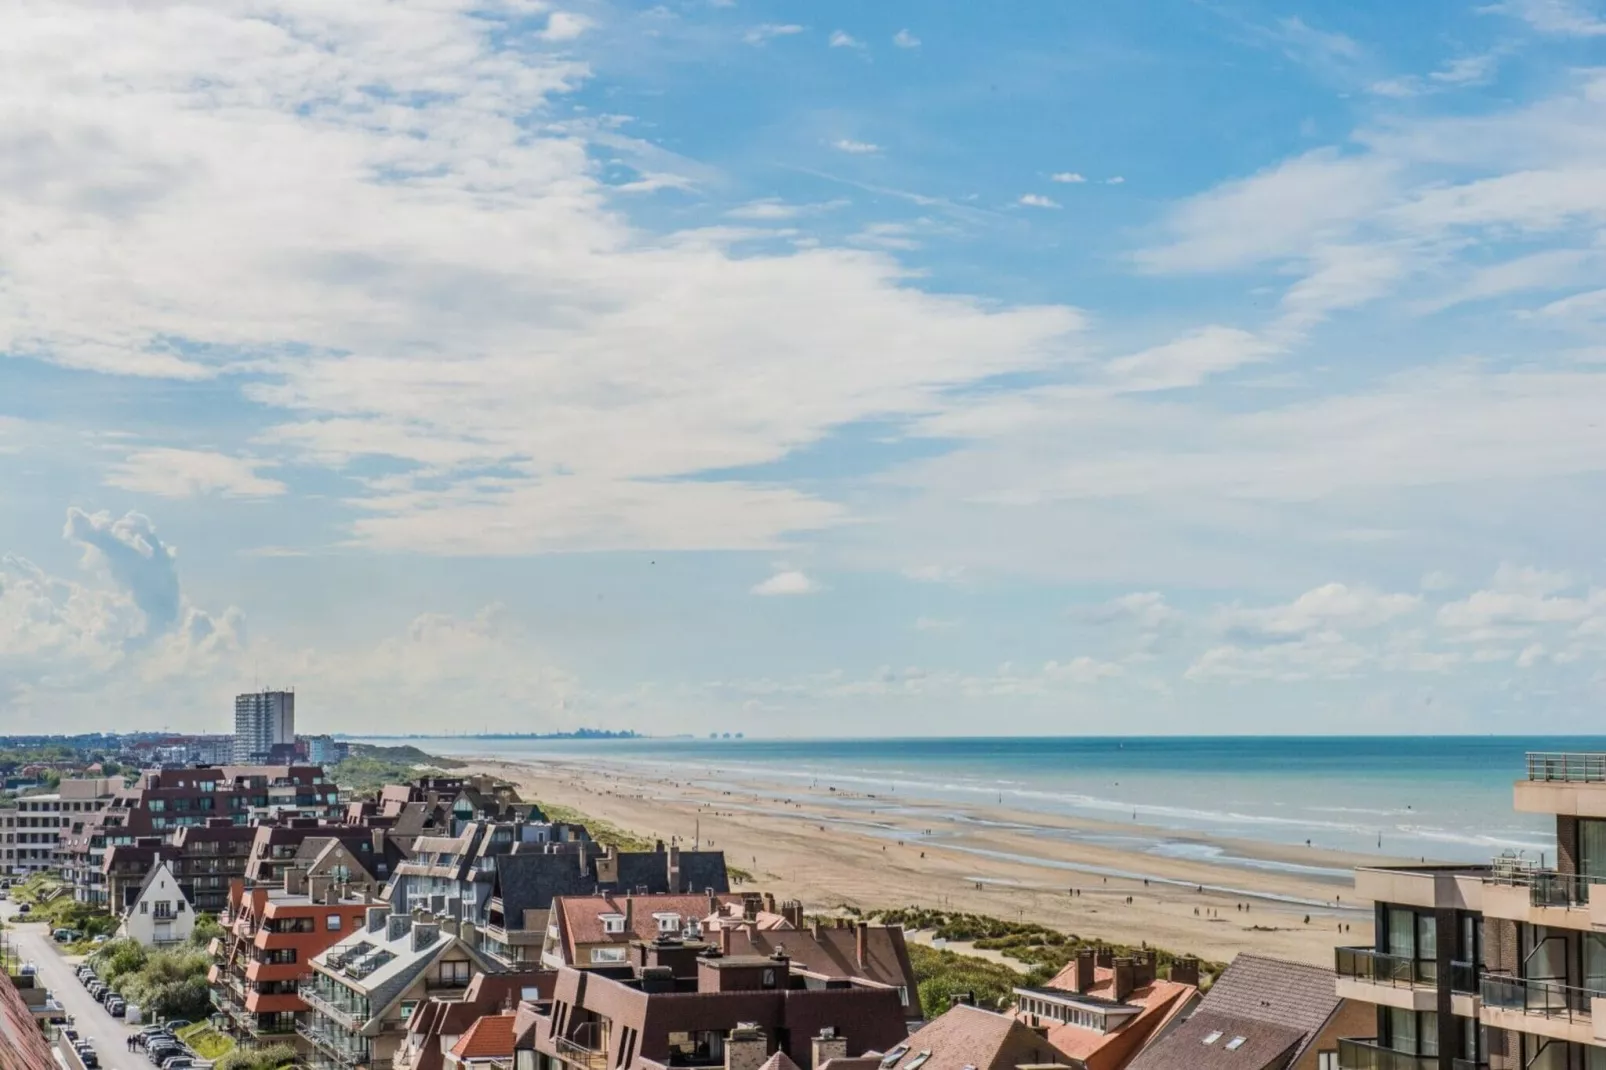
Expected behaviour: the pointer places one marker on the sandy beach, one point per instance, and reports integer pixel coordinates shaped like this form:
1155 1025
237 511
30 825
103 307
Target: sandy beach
828 846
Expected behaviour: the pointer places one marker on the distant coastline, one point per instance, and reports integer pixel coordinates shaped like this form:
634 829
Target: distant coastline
579 733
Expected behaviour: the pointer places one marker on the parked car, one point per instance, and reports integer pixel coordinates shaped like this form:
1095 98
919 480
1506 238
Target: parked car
163 1051
29 969
178 1062
175 1024
66 936
101 939
24 908
90 1059
116 1006
69 1035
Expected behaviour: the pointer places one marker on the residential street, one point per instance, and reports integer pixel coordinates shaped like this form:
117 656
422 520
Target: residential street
32 943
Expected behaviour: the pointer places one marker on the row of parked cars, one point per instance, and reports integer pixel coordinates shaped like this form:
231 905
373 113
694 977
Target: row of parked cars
159 1042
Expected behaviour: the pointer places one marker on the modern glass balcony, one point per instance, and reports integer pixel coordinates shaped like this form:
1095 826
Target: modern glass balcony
1365 964
1548 999
1368 1054
1571 767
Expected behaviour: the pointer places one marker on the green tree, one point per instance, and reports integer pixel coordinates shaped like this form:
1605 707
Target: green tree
206 927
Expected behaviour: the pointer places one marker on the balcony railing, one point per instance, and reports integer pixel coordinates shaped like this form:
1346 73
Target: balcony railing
580 1055
334 1047
1574 767
351 1013
1370 1055
1400 971
1548 999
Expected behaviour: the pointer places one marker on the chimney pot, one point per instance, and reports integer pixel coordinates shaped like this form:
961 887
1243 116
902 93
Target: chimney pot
1125 978
1086 960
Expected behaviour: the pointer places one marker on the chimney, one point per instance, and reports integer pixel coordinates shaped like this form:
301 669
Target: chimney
425 934
861 942
1086 960
1125 975
750 905
966 998
674 869
630 913
746 1048
724 940
814 927
792 911
397 925
1146 966
1185 971
827 1046
377 914
1104 958
769 903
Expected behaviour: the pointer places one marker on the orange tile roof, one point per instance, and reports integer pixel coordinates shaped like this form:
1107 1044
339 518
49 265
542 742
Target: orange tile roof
582 916
1159 1001
489 1038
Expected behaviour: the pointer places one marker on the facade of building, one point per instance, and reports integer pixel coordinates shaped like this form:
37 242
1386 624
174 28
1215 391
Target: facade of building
160 914
31 833
271 935
1504 965
263 720
365 989
1263 1014
435 1029
165 801
677 1004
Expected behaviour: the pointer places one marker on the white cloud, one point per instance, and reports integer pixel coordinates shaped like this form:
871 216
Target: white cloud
135 557
1188 360
1037 200
565 26
905 39
843 39
1328 607
1066 176
857 148
1148 611
176 473
1571 18
787 582
771 30
1081 670
1114 180
935 624
935 573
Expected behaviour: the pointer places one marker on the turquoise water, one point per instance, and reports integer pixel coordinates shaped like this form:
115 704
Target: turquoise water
1443 798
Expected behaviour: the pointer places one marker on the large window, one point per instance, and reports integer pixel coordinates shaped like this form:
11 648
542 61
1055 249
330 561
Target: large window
1592 848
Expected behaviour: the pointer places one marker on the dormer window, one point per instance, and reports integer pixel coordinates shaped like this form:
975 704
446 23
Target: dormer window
613 923
667 923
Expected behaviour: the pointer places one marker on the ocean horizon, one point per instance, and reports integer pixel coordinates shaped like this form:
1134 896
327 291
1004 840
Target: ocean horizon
1443 798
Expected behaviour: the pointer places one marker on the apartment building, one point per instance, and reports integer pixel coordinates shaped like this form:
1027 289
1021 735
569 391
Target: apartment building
676 1004
31 832
365 989
436 1030
1500 966
164 801
597 930
263 720
283 845
272 934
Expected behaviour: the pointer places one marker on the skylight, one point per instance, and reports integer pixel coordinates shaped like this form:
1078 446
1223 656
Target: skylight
1213 1037
918 1061
890 1059
1235 1043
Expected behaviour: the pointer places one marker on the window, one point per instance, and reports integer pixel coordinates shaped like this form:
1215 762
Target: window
1212 1038
332 923
613 923
607 954
1327 1060
144 907
1235 1043
454 973
407 1008
918 1061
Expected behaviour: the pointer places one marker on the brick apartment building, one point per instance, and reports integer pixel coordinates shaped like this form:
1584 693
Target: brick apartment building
165 802
683 1005
31 833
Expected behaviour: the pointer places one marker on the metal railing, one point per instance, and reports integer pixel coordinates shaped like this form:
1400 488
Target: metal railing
349 1013
579 1055
334 1047
1575 767
1370 1055
1401 971
1549 999
1547 887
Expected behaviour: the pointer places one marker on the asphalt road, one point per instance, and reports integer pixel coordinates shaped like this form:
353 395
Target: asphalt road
109 1036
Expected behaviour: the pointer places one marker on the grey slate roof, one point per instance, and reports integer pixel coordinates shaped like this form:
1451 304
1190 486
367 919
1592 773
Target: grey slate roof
1278 1006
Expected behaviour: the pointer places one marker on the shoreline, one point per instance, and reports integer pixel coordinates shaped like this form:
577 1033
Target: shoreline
1208 896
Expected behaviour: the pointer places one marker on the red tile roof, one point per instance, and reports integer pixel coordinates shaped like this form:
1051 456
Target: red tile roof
1160 1002
489 1038
969 1038
22 1045
580 917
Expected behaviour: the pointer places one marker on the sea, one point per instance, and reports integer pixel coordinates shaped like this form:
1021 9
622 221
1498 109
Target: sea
1438 798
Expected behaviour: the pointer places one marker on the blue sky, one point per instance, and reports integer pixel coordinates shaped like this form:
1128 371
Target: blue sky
816 368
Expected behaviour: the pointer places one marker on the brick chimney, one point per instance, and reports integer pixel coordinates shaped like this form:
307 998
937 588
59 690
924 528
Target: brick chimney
769 902
1147 965
1185 971
792 911
724 940
861 942
674 868
827 1046
746 1048
1085 962
1104 957
1125 976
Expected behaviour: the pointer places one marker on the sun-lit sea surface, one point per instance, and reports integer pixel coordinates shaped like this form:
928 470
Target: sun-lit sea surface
1446 798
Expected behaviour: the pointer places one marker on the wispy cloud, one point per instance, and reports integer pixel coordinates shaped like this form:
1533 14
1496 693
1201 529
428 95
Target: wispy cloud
905 39
788 582
1037 200
1115 180
1570 18
565 26
1456 74
857 148
176 473
843 39
1067 176
769 31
